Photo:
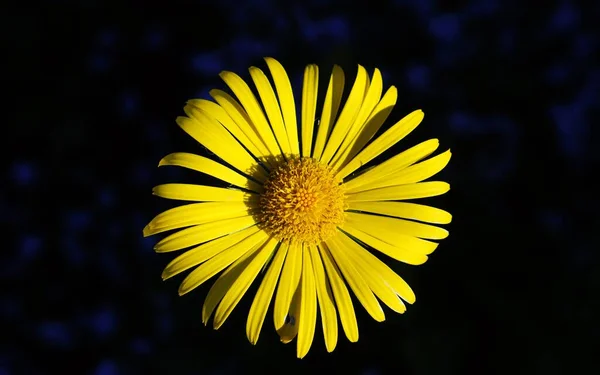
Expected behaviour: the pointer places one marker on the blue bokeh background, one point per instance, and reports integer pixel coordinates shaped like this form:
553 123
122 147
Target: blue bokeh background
94 87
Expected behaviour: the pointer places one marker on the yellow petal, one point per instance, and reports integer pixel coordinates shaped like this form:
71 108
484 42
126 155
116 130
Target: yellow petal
217 112
204 252
383 142
288 283
269 100
373 123
197 213
201 193
331 106
262 300
326 303
401 192
252 107
243 282
391 226
224 283
286 102
202 233
237 113
220 261
219 141
211 168
392 166
392 279
404 210
290 329
347 116
404 254
355 280
342 297
310 90
308 307
372 270
371 100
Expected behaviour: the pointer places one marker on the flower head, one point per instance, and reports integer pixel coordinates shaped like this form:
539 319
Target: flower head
298 204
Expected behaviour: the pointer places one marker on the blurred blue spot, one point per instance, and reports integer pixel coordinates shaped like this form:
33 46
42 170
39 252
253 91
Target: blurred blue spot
104 322
203 93
208 64
24 173
423 7
552 220
572 129
445 28
248 49
164 324
106 197
72 250
99 62
336 27
140 346
154 39
77 220
55 334
483 7
557 74
31 246
507 40
565 16
129 102
107 38
107 367
584 45
461 122
418 77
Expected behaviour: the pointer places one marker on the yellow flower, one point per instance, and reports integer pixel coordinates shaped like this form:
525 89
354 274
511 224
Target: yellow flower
298 210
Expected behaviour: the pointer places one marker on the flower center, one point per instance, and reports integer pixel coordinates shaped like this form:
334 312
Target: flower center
302 202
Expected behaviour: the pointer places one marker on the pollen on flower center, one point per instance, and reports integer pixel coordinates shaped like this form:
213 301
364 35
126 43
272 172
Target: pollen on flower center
302 202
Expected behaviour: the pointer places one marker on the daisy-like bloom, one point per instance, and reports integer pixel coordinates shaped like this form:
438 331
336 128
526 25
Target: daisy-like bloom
298 208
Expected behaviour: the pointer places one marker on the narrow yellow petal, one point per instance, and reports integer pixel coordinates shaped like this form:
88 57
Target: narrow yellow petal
383 142
374 279
348 115
289 330
355 280
342 297
201 193
211 168
404 210
204 252
331 105
403 254
220 261
197 213
401 192
217 112
212 135
269 100
288 283
247 99
237 113
372 98
376 119
263 297
224 283
326 302
243 282
202 233
391 226
308 307
391 278
286 102
392 166
310 90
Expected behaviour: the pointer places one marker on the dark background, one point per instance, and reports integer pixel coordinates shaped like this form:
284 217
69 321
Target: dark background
93 89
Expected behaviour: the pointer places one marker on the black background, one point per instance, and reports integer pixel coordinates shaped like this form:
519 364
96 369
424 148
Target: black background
93 89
